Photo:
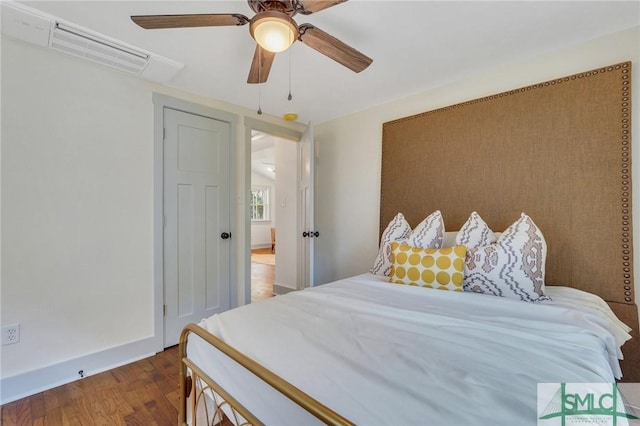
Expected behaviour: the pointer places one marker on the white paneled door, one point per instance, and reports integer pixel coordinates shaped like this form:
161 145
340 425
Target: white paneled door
308 232
196 214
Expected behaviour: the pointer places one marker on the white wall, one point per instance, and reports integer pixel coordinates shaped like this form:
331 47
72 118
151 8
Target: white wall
77 214
261 230
77 206
349 149
286 214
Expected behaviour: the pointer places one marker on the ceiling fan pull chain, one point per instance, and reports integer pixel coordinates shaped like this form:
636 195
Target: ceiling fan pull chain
289 97
259 84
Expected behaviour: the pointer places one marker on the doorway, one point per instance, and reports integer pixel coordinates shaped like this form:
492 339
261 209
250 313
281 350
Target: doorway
273 180
262 213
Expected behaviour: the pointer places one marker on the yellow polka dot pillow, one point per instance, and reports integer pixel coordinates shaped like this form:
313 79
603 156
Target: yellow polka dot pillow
428 267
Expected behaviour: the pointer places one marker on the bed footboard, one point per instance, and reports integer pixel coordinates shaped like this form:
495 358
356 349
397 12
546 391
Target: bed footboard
195 385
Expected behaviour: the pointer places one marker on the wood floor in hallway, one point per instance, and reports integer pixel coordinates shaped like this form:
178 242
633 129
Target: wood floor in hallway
263 274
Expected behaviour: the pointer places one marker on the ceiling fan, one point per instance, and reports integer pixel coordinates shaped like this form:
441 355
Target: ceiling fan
274 30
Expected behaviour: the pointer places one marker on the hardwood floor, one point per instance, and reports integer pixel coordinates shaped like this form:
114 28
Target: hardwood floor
145 392
263 275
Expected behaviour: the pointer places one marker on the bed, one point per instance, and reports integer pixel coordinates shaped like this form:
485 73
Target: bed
366 351
379 353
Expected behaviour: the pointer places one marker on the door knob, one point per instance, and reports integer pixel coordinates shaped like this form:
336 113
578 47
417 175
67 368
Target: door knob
225 235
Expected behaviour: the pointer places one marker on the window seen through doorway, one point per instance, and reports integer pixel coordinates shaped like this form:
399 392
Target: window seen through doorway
259 203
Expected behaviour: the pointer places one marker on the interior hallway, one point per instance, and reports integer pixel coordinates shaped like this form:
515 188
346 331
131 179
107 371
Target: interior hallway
263 273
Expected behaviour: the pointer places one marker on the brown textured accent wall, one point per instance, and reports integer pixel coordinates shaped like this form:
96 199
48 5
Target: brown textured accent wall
558 150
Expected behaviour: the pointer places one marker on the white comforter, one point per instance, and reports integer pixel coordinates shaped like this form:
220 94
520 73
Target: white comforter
385 354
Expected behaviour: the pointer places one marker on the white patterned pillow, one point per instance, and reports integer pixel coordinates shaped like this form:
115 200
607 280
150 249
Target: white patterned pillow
397 229
512 267
429 233
475 233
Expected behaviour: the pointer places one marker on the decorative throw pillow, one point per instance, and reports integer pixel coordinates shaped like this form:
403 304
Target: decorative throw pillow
397 229
512 267
429 233
428 267
475 233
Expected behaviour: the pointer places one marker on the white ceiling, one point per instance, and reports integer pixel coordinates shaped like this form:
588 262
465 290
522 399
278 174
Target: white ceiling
415 46
263 154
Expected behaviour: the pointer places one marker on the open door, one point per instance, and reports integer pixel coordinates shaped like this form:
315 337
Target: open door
308 233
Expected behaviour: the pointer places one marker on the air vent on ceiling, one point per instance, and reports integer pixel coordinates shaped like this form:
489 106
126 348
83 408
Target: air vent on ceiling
74 41
31 25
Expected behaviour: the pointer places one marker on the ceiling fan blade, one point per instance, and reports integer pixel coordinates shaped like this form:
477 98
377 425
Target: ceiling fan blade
182 21
307 7
333 48
261 65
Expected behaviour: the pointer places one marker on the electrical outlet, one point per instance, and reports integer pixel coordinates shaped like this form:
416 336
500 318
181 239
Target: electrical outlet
10 334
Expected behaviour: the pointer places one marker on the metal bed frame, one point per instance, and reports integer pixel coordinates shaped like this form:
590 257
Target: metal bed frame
195 385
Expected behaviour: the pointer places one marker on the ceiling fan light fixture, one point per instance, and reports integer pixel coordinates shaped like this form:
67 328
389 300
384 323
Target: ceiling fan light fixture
273 31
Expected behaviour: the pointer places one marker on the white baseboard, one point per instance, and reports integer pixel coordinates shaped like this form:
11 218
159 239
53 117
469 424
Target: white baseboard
35 381
279 289
260 245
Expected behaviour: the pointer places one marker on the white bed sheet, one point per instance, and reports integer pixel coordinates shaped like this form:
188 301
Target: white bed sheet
385 354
